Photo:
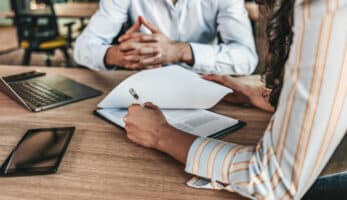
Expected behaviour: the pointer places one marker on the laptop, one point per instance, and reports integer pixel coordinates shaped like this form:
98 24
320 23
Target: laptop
39 91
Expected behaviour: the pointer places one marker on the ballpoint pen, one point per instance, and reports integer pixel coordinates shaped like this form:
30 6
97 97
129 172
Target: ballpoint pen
135 95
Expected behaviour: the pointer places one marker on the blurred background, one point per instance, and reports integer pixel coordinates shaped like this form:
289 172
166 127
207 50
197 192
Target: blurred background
42 32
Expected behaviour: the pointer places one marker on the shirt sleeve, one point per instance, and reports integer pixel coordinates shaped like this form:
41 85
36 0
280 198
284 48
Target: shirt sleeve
236 55
104 26
304 132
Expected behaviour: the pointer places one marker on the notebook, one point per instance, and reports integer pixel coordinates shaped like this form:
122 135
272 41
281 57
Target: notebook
182 95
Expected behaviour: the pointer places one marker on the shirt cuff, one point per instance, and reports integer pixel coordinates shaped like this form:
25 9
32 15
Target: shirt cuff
208 158
204 56
99 57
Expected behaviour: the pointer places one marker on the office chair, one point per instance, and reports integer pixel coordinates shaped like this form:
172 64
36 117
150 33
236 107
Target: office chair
37 29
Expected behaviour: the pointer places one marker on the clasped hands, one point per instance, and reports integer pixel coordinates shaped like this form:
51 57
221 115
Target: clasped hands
138 50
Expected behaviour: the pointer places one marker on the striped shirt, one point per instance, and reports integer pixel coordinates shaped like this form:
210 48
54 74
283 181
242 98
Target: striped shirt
308 125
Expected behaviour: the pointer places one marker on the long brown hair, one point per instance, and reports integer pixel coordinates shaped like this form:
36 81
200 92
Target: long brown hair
279 35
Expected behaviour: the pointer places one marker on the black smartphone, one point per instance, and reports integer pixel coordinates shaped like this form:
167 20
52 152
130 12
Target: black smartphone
39 152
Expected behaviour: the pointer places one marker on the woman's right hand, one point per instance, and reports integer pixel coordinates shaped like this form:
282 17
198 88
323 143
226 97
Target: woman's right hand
247 90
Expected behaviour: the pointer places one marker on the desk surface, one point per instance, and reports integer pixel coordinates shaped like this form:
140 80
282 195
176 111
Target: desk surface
86 10
100 162
76 10
67 10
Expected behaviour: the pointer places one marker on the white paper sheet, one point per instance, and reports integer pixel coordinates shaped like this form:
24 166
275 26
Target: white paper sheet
198 122
171 87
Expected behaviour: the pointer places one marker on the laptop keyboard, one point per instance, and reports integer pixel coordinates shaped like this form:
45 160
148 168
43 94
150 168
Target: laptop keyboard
38 94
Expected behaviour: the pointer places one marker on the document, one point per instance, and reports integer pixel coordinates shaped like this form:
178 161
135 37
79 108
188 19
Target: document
182 95
171 87
197 122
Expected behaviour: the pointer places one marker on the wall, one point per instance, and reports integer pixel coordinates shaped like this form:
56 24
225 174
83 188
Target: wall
5 6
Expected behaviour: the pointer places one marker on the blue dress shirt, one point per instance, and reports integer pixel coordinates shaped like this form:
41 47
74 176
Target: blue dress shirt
218 31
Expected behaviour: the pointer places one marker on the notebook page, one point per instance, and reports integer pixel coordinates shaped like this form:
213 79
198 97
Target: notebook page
197 122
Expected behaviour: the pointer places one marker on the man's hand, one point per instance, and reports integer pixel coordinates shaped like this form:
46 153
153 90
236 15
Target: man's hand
153 49
114 56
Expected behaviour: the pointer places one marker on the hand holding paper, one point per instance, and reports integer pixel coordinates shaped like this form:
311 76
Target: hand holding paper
181 94
171 87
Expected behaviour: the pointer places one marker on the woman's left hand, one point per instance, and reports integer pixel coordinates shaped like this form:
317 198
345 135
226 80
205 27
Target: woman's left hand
146 125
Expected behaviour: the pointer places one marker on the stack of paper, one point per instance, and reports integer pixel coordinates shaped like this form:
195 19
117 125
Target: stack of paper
182 95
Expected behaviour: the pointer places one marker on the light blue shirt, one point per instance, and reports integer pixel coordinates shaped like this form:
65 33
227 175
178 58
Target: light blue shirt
199 22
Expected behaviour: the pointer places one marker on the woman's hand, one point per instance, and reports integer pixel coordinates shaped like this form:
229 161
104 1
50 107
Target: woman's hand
148 127
247 90
145 125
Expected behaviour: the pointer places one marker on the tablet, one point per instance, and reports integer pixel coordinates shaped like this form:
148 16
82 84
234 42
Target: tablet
39 152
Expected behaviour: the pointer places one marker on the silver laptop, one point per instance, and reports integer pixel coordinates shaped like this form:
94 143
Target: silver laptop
38 91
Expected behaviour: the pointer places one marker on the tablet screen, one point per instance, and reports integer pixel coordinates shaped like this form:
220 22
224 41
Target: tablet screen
39 152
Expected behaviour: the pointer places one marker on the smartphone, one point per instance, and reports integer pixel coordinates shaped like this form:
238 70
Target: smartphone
39 152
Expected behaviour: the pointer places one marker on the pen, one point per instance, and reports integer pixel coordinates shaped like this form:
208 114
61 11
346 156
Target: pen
135 95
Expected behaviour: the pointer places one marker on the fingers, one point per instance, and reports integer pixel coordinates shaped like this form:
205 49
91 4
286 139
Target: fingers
136 62
141 56
225 80
137 107
213 77
132 32
131 35
143 51
151 106
128 46
150 26
140 66
151 61
139 37
134 108
154 66
139 48
149 38
135 27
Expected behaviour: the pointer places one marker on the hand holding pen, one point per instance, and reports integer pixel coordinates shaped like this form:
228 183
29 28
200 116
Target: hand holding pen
136 96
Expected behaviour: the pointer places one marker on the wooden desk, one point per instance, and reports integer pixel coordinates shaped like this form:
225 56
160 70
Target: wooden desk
86 10
100 162
76 10
66 10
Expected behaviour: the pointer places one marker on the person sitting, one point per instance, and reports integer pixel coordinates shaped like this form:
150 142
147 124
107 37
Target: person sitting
306 88
210 36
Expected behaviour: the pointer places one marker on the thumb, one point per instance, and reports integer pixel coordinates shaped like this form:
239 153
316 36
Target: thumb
215 78
225 80
149 25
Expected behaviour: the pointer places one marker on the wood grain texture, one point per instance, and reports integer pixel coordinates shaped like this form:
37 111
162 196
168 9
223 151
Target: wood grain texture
100 162
75 10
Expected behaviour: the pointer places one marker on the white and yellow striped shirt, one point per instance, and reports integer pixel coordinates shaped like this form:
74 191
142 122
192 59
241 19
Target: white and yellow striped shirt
308 125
